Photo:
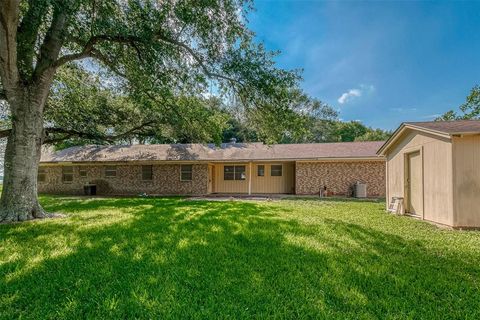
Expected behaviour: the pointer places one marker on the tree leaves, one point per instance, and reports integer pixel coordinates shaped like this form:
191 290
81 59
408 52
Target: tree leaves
469 110
102 116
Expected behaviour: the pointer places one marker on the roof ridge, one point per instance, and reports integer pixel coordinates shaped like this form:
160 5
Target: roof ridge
444 121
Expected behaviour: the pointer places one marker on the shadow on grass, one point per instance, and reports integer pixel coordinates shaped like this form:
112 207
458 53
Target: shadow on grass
170 258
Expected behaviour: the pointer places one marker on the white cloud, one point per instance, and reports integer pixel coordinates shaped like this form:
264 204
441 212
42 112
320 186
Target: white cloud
355 93
349 95
369 88
432 116
404 110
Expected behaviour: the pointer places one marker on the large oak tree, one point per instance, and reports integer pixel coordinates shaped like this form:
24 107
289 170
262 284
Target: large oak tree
156 54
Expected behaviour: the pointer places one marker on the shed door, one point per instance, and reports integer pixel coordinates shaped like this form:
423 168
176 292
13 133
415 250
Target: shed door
414 183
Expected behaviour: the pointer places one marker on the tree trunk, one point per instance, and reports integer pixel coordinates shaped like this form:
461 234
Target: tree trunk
19 201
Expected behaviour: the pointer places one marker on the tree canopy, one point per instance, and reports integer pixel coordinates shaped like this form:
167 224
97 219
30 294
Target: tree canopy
147 64
102 115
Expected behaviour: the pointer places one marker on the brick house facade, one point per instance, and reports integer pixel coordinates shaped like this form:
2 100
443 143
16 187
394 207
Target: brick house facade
230 168
339 177
127 181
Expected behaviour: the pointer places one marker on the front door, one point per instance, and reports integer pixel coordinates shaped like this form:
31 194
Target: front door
415 183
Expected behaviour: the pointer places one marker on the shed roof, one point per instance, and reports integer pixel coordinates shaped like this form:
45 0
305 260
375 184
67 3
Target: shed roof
210 152
449 127
444 129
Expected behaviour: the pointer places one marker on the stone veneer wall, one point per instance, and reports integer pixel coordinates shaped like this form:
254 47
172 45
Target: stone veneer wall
166 180
340 176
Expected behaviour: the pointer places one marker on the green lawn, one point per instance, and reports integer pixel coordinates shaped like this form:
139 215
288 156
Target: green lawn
173 258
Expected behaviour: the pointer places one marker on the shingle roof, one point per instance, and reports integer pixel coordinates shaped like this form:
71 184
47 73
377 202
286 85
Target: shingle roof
440 128
449 127
209 152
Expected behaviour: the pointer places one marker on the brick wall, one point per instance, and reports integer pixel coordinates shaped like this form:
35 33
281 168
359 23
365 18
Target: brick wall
340 176
166 180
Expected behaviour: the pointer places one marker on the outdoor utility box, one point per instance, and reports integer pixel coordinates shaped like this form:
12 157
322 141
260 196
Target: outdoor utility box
90 190
396 206
360 190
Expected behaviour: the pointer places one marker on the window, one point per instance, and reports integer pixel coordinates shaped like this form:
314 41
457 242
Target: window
276 170
240 173
42 174
82 171
67 174
229 173
234 173
261 170
186 172
110 171
147 173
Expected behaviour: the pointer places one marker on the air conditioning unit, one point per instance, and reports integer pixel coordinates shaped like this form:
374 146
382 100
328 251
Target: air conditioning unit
360 190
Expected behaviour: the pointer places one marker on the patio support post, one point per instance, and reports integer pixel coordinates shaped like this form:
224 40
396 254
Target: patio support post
249 178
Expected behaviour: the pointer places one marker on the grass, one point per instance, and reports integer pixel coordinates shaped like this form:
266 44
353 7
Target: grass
172 258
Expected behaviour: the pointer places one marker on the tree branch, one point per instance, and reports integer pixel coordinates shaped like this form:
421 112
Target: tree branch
69 133
53 42
132 41
110 64
5 133
88 48
197 58
27 34
9 13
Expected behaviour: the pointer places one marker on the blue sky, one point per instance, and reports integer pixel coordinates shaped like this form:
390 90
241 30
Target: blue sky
378 62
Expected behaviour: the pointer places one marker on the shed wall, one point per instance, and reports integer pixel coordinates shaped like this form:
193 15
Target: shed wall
437 174
467 181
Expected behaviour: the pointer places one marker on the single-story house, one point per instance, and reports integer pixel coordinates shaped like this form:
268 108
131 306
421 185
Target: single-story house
199 169
435 168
